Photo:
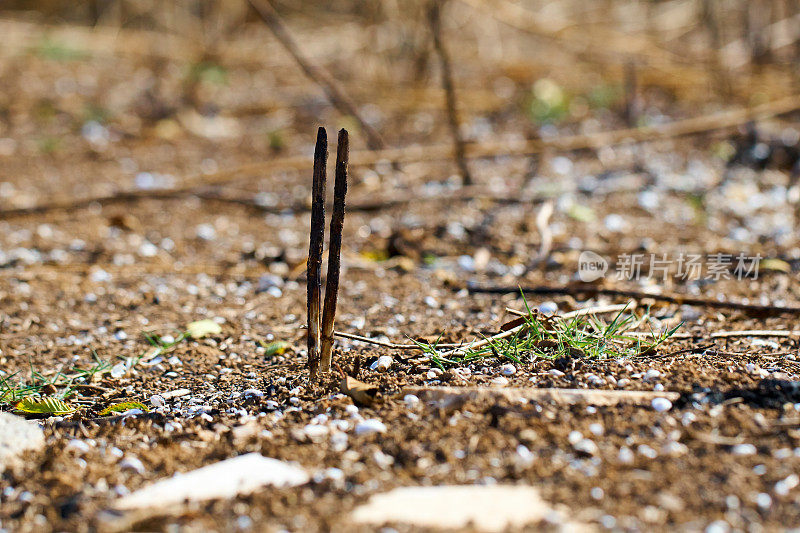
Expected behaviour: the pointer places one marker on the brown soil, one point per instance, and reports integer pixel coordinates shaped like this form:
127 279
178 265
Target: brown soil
96 277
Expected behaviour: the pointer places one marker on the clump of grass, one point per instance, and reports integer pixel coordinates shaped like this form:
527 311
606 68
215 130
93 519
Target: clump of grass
15 387
540 336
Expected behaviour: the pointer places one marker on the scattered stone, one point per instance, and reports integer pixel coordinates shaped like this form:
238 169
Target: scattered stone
744 449
586 446
132 463
500 381
240 475
783 486
508 369
486 508
661 404
369 426
17 436
382 363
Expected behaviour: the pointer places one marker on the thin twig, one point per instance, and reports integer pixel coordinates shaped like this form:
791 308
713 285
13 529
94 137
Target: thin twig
435 19
590 290
315 250
334 251
756 333
390 345
545 233
317 74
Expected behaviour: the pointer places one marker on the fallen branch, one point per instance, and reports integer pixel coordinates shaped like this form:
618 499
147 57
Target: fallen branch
317 74
410 154
590 290
552 395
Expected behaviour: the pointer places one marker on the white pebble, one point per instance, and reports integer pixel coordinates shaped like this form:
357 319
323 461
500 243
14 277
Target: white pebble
499 381
652 374
508 369
411 400
369 426
744 449
783 486
132 463
586 446
382 363
661 404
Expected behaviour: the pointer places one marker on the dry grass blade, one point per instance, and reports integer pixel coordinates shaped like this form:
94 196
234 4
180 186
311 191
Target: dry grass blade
435 19
315 250
334 251
321 77
591 290
361 393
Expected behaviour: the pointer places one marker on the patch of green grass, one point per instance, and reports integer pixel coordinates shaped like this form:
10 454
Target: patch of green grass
14 387
208 72
55 51
553 337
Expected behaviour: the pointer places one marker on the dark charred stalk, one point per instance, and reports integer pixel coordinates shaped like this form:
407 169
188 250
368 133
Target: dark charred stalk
315 250
334 251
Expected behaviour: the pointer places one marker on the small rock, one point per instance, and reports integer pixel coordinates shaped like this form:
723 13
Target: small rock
369 426
411 400
586 446
783 486
382 363
661 404
17 435
508 369
548 308
499 381
491 508
223 480
651 375
744 449
132 463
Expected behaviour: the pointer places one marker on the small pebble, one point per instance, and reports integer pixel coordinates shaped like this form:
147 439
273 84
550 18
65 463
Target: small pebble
744 449
132 463
369 426
508 370
411 400
661 404
499 381
382 363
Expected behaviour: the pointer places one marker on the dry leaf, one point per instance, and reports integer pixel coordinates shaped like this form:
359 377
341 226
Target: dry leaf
361 393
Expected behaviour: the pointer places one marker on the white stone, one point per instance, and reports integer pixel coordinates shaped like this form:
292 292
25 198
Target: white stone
486 507
17 436
371 425
499 381
381 364
132 463
508 369
744 449
240 475
661 404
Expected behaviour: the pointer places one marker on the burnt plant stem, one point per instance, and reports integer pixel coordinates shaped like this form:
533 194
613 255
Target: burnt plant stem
435 17
315 250
320 76
334 251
